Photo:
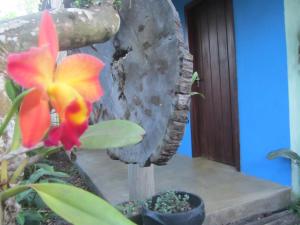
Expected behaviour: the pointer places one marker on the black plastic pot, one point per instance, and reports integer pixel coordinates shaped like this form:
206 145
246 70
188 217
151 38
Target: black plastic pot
137 219
193 217
134 216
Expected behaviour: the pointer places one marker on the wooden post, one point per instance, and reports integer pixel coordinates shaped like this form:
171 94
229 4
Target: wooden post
57 4
141 182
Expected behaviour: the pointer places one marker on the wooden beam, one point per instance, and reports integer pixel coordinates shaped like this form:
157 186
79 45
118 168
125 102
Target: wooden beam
76 28
141 182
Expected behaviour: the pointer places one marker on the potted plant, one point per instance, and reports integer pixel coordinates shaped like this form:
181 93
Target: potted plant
132 210
173 208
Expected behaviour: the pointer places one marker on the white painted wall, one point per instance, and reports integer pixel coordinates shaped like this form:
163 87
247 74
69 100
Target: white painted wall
292 26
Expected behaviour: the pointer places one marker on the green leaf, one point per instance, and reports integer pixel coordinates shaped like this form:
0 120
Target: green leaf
32 217
27 195
43 151
4 173
12 90
198 93
37 175
53 180
17 139
195 77
44 166
112 134
11 192
14 108
20 218
87 209
18 171
285 153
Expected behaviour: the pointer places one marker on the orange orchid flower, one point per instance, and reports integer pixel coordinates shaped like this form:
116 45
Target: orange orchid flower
70 87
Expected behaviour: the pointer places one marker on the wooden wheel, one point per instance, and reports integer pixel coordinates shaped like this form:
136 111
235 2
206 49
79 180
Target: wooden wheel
147 79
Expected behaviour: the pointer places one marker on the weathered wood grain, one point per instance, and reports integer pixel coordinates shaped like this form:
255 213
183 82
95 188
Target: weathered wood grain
147 79
76 28
141 182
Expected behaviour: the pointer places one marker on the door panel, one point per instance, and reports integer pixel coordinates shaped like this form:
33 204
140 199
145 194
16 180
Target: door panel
214 119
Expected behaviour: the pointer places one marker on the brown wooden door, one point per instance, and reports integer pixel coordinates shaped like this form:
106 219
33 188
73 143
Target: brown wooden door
214 119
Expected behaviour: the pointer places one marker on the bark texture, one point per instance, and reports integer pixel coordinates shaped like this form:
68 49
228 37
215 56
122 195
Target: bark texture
76 28
147 79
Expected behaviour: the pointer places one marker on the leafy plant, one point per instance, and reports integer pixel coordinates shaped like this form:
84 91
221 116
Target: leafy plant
63 200
196 78
83 3
169 202
295 207
88 3
39 173
295 158
130 208
12 89
118 3
285 153
33 209
68 88
29 217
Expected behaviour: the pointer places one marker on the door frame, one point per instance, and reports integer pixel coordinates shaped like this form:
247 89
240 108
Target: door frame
233 77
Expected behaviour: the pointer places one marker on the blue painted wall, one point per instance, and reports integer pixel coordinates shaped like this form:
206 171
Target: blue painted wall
186 145
262 87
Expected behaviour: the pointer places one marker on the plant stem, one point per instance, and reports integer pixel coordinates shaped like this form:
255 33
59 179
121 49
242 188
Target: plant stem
16 140
4 174
18 171
11 192
4 195
20 151
1 213
13 110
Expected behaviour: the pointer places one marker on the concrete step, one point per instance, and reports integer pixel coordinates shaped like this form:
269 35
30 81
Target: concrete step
285 217
228 195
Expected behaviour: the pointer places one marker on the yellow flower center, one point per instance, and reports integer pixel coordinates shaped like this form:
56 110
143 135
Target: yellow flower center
61 96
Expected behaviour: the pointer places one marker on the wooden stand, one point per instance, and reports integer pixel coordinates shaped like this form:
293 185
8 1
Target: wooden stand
141 182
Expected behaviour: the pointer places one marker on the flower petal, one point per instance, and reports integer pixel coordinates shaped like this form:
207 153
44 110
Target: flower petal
68 134
61 95
72 133
82 72
78 111
54 136
34 118
33 68
48 35
70 130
